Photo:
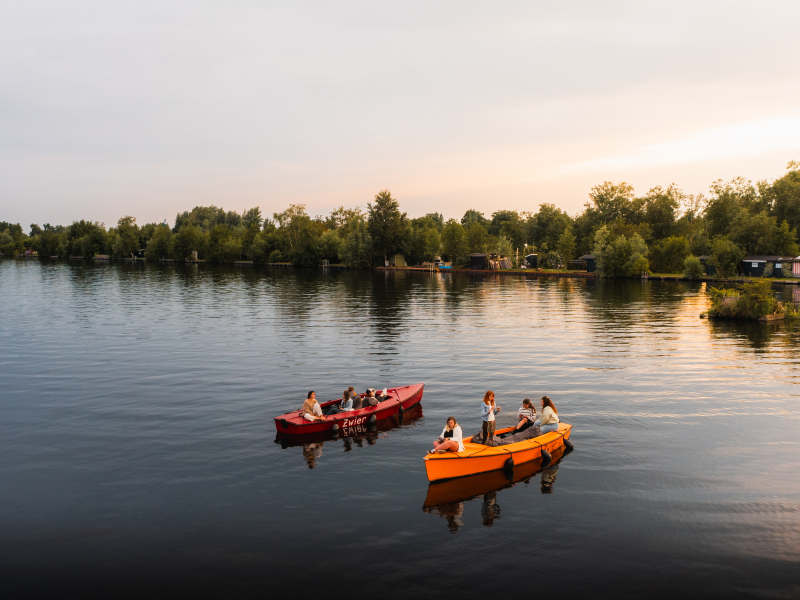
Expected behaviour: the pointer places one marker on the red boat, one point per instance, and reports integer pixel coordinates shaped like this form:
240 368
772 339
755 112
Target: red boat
399 400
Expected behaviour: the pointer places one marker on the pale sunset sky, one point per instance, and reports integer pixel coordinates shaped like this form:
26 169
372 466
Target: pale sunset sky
150 108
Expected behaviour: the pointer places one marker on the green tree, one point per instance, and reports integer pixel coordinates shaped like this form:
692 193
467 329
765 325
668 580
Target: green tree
454 242
160 244
620 257
330 246
473 216
693 268
126 239
669 255
726 256
786 240
566 246
252 217
389 229
358 249
611 201
660 208
784 195
477 237
189 239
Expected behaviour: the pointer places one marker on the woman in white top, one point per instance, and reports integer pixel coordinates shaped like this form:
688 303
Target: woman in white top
549 419
450 440
488 411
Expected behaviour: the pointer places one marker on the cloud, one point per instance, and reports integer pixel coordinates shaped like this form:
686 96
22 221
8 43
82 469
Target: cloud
749 138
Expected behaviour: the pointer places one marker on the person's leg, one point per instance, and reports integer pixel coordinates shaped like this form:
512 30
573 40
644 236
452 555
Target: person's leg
309 417
485 431
550 427
448 446
491 430
538 422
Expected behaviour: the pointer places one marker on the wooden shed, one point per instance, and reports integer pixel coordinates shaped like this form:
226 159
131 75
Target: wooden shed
397 260
478 261
591 265
707 266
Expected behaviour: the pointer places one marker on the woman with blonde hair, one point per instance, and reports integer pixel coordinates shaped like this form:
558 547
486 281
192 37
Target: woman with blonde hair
450 440
549 419
488 411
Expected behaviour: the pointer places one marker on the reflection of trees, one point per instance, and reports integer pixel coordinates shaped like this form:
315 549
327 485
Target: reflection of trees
754 334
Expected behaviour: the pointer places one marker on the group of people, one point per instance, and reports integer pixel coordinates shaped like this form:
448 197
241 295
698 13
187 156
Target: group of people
451 439
351 400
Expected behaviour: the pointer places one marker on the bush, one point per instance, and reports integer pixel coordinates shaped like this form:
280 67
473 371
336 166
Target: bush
750 300
693 268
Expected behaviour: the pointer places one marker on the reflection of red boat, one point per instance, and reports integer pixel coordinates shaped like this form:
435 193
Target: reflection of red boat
357 433
399 400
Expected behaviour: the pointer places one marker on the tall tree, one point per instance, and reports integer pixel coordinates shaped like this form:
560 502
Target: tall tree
454 241
388 227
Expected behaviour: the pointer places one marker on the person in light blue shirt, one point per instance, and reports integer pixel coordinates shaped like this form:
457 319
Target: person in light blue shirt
345 405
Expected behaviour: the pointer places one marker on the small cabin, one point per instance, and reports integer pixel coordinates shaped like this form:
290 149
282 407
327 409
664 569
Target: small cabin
591 264
397 260
139 253
771 266
478 261
532 260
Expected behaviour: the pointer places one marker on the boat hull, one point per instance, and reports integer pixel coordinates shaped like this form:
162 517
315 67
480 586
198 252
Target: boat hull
477 458
401 399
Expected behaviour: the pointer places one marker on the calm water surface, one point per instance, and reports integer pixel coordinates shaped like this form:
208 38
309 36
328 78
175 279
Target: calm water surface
138 451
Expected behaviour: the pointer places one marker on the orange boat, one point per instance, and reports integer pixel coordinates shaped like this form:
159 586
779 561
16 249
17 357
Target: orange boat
477 458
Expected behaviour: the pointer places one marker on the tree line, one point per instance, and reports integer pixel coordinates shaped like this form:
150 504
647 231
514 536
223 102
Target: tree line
628 234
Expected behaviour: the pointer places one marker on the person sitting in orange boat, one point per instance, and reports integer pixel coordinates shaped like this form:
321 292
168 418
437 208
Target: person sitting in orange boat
369 399
549 419
311 408
450 440
526 414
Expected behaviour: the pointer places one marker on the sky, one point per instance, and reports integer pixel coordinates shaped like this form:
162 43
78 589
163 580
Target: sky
151 108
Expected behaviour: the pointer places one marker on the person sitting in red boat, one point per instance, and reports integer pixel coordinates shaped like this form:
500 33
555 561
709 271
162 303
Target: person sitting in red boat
370 399
358 403
450 440
311 408
345 405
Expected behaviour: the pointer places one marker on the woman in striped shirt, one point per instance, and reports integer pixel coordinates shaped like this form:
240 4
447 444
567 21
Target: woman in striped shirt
526 414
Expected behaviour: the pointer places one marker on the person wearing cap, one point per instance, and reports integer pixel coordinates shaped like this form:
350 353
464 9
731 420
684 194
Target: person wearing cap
370 399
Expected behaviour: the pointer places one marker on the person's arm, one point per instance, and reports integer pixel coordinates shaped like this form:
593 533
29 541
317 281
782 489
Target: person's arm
485 410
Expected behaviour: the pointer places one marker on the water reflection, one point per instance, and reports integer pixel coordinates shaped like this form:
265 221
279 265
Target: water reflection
349 437
447 498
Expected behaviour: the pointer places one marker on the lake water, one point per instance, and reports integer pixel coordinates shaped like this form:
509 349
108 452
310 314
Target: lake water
138 452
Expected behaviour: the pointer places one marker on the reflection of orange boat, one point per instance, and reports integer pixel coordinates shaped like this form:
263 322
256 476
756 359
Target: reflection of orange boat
472 486
363 431
477 458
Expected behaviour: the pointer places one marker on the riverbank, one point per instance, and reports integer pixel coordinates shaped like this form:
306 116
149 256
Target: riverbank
585 275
